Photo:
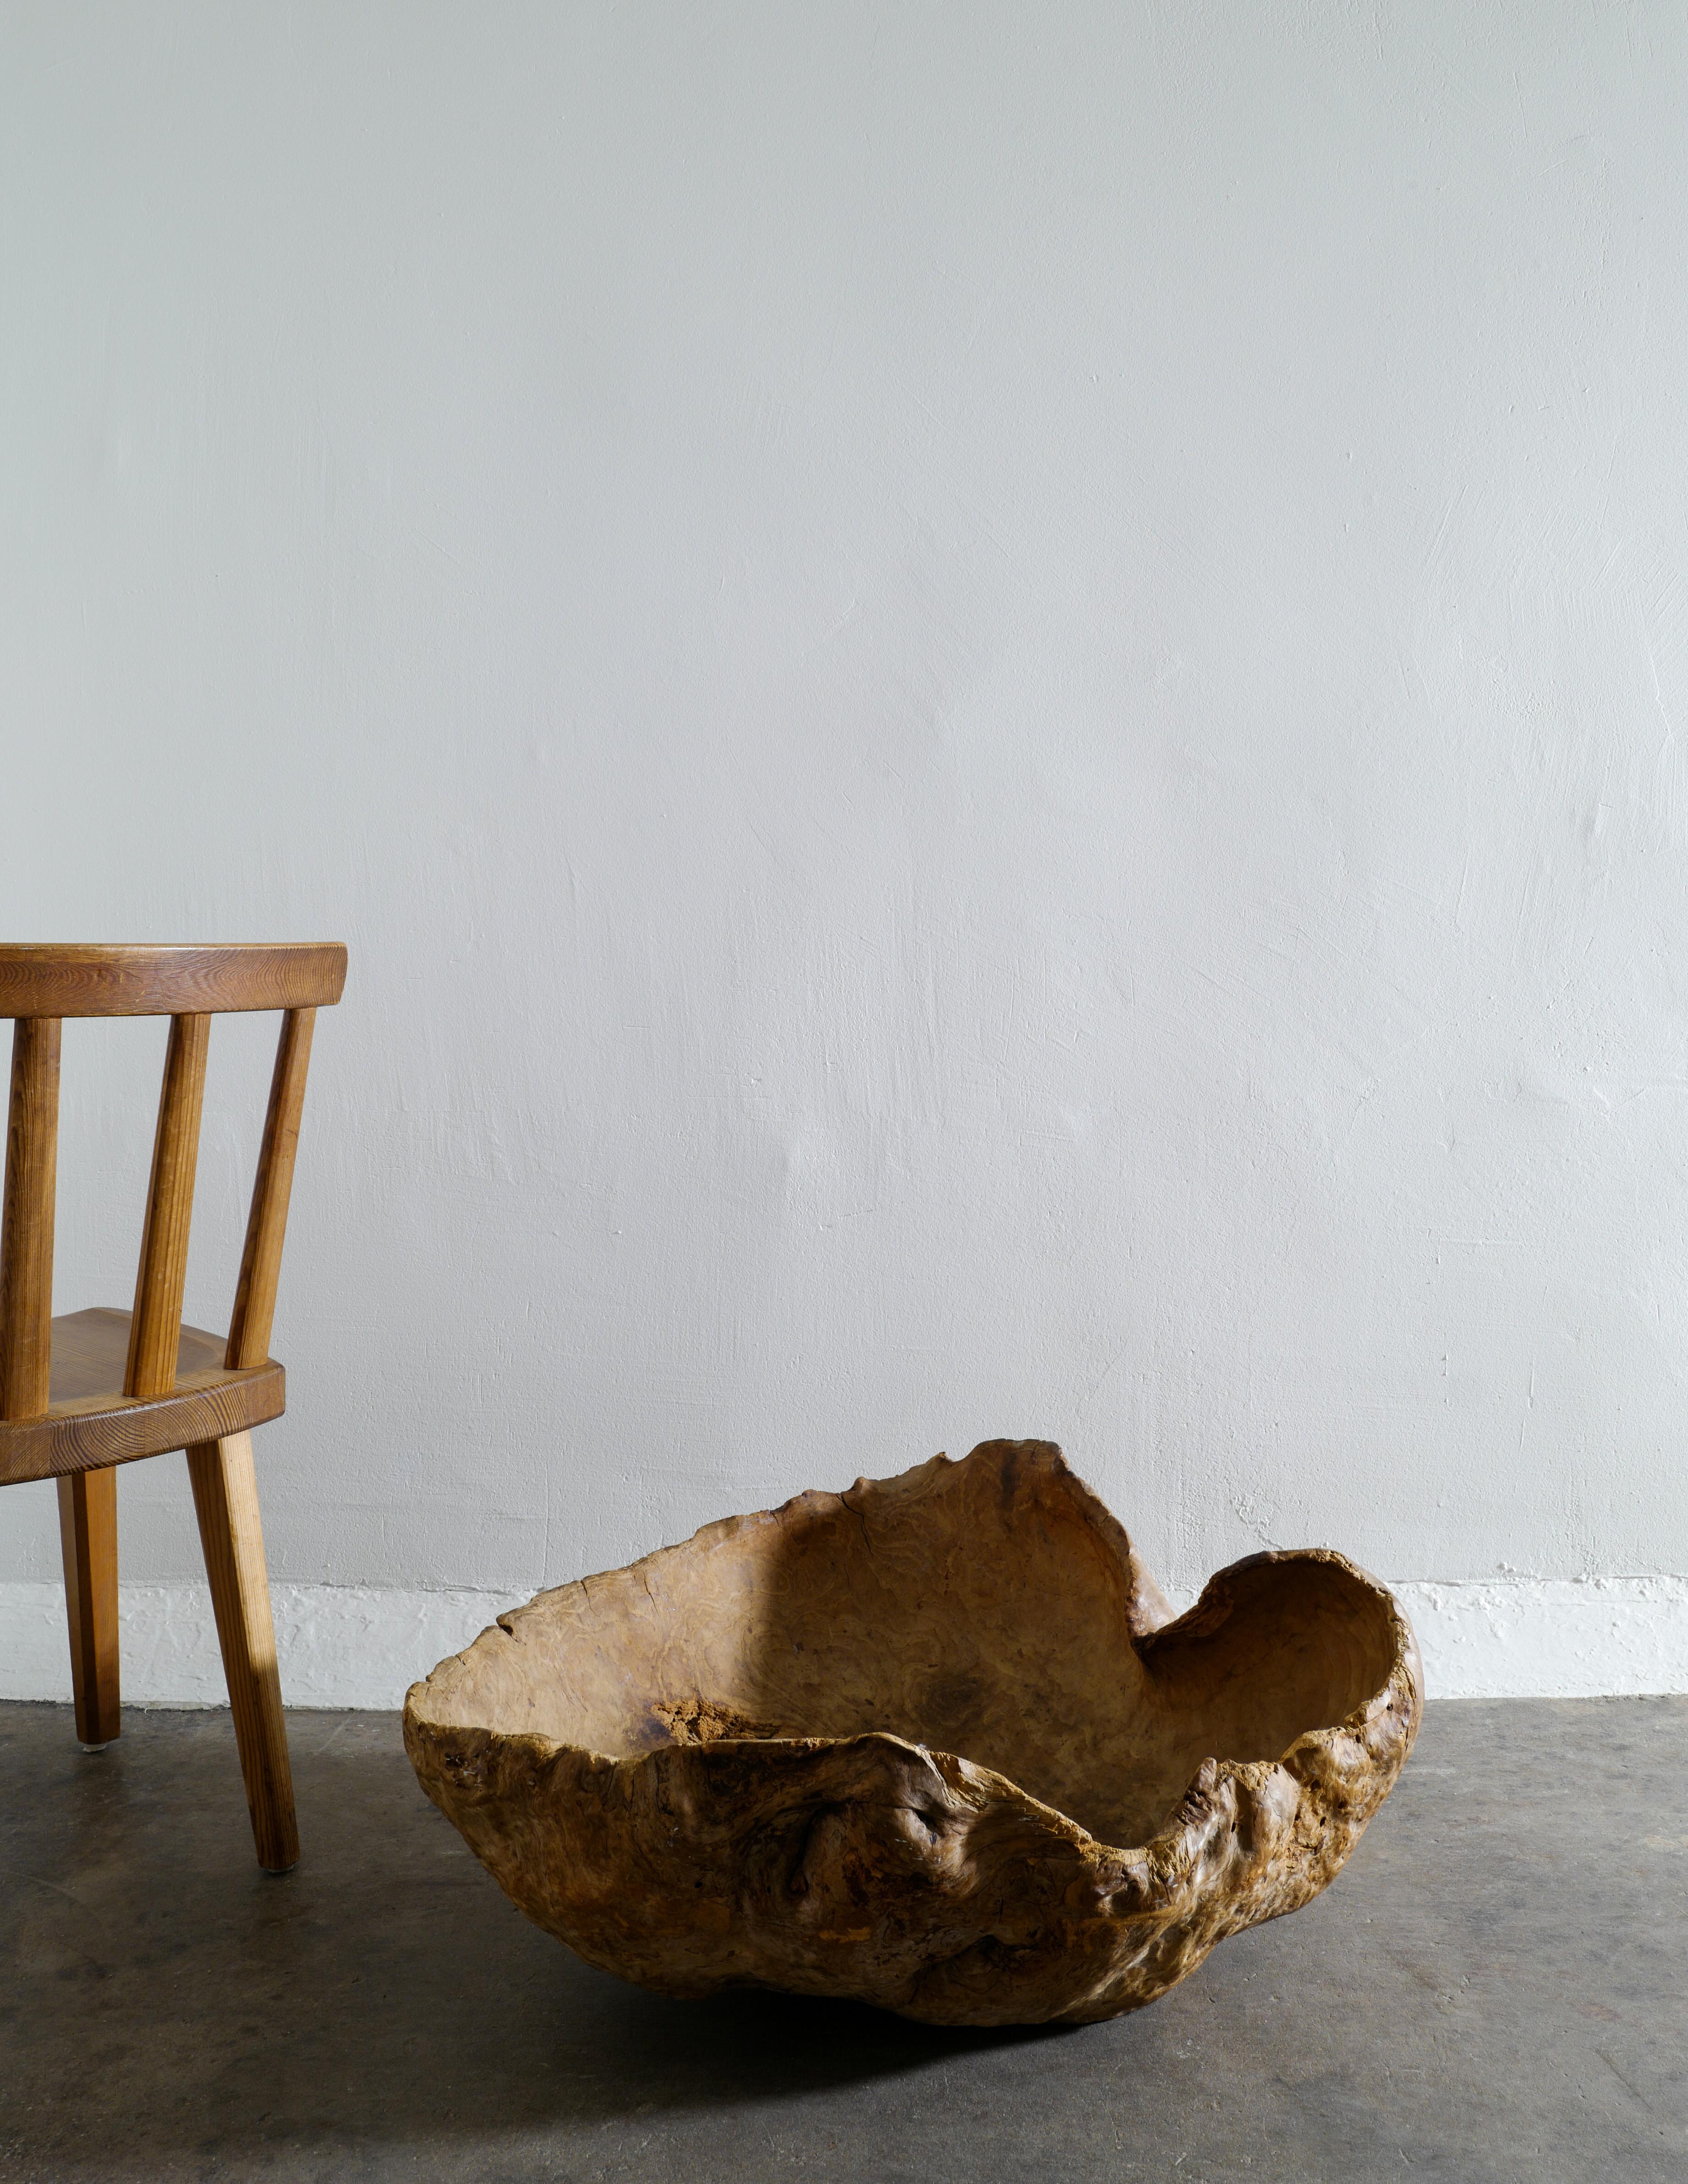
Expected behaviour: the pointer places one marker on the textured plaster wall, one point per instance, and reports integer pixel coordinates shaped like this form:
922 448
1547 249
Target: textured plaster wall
991 697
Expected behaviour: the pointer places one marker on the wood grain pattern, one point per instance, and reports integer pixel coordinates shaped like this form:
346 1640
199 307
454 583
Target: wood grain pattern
266 1228
935 1744
72 979
226 1502
90 1424
161 1278
27 1220
91 1352
87 1537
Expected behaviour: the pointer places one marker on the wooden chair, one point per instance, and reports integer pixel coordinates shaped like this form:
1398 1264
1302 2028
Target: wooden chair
84 1393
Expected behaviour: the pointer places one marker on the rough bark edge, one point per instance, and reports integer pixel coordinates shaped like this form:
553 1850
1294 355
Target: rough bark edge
1247 1842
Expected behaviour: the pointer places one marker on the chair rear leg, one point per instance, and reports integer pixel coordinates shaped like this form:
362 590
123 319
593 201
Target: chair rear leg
225 1501
87 1533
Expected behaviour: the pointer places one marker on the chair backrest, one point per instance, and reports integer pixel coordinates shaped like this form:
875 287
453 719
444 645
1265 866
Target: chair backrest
39 987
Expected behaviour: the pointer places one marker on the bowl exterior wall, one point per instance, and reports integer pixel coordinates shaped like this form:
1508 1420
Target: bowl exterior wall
872 1869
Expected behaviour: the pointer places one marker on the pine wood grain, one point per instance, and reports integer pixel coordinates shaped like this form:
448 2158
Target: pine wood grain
90 1423
226 1502
75 979
260 1265
27 1220
88 1537
155 1328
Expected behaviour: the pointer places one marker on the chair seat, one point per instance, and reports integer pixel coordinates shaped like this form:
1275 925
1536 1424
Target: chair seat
90 1424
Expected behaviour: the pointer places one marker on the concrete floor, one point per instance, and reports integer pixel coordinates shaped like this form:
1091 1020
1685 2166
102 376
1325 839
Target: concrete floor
1497 1987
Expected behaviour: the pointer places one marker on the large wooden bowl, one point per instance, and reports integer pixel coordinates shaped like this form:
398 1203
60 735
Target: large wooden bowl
935 1744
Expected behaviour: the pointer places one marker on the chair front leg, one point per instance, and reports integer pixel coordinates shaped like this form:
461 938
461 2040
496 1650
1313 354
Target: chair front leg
87 1534
225 1501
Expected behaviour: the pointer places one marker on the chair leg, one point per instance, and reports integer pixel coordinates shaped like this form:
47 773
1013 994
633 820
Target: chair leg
87 1534
225 1501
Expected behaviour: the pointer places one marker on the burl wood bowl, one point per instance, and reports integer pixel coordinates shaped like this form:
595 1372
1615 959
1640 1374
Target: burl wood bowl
935 1744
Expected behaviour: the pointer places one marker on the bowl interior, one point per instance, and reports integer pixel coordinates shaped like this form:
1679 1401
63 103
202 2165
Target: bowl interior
993 1610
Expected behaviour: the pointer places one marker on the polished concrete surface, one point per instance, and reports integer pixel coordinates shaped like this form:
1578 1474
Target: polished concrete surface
1497 1987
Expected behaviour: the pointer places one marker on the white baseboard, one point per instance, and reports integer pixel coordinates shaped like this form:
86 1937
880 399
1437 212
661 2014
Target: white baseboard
339 1646
362 1645
1550 1638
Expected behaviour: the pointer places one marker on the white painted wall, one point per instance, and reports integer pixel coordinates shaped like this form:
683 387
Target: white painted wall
991 696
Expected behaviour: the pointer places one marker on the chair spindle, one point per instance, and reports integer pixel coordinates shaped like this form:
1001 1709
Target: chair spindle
26 1222
155 1328
260 1264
